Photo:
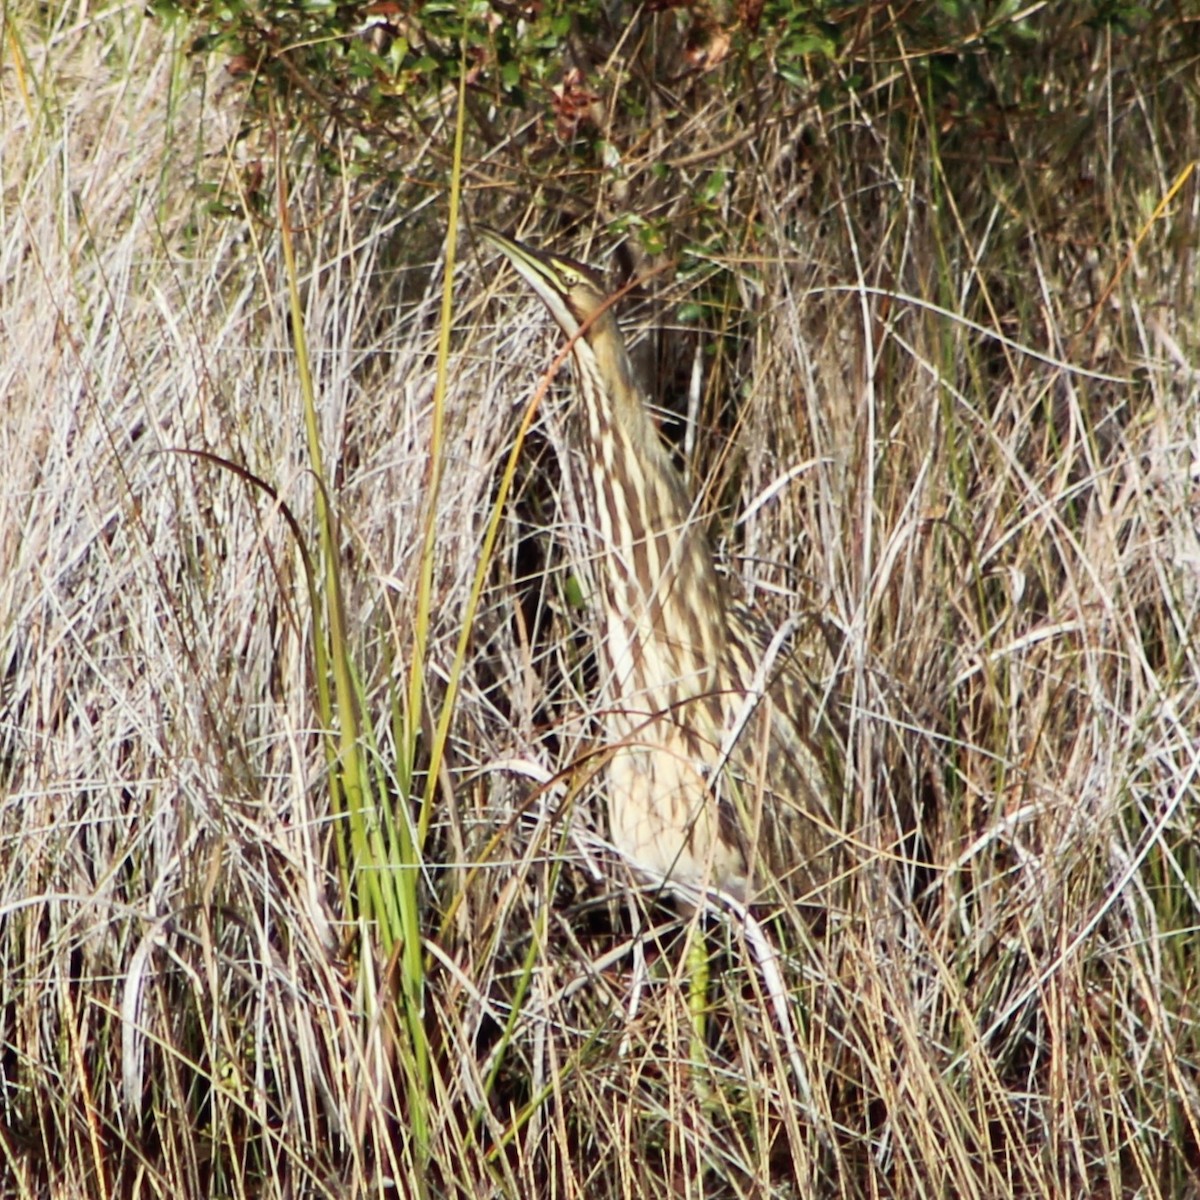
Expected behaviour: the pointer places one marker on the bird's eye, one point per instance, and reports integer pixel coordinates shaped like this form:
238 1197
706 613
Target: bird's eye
570 280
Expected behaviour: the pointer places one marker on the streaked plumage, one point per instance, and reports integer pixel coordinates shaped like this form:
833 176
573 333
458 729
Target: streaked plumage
715 778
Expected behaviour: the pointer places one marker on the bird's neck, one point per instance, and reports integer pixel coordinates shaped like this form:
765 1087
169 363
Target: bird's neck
662 599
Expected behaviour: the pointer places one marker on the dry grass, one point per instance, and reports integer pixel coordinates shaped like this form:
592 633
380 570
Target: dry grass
932 405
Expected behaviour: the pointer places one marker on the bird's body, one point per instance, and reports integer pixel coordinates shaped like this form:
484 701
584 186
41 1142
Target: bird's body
713 780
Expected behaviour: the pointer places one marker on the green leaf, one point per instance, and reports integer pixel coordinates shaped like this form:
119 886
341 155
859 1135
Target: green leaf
712 187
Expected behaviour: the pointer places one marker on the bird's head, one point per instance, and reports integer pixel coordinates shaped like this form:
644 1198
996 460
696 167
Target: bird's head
578 302
573 293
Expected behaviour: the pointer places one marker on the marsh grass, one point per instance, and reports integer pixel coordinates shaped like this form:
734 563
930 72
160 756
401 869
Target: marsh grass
952 409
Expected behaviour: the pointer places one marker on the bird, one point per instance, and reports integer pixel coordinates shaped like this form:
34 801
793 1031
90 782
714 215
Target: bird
719 777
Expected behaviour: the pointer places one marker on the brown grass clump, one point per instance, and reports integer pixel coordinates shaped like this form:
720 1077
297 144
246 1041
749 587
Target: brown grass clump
932 362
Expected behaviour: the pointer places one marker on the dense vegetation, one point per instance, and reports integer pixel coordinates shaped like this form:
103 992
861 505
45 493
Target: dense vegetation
304 888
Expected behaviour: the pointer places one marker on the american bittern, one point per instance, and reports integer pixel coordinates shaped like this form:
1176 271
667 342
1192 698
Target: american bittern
714 780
